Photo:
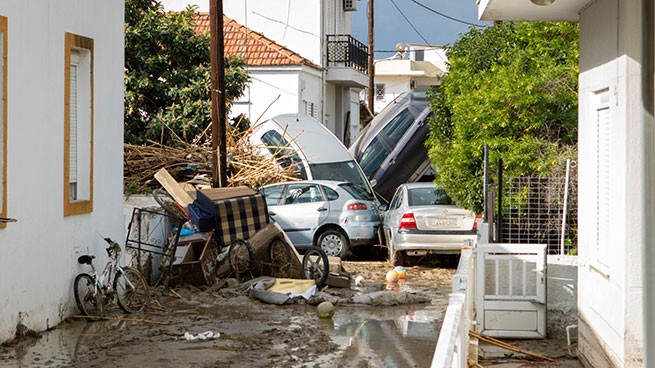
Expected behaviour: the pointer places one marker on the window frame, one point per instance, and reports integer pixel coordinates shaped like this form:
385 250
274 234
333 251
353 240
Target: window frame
76 42
4 39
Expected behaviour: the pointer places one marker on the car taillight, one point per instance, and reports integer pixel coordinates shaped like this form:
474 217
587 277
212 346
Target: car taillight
475 222
408 221
357 207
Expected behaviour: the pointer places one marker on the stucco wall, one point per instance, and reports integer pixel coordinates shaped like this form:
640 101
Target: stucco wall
299 30
38 254
610 293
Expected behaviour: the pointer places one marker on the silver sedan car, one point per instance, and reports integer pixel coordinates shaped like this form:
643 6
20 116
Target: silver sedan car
422 219
332 215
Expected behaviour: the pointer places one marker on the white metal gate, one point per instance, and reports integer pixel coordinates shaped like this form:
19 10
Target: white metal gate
511 290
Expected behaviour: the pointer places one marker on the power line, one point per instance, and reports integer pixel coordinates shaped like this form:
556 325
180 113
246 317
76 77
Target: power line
416 30
447 16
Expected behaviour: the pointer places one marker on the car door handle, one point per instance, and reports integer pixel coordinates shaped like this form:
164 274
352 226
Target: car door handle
272 213
321 209
393 161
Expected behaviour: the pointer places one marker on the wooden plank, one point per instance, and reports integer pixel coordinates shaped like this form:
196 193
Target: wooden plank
173 188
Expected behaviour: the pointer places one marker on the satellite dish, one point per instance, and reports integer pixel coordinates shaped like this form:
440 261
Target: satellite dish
400 47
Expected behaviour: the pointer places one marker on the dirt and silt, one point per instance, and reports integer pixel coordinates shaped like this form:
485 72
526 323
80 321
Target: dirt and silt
376 325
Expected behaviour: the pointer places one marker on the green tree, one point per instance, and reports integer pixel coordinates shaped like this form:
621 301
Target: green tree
514 86
167 75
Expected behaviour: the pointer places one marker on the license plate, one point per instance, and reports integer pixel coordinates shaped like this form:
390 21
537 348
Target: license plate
444 222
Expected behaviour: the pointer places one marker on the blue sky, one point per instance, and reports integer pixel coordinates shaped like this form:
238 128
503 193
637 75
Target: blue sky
391 27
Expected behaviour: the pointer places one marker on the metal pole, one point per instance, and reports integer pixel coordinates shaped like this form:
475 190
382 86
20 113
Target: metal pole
219 148
499 219
564 210
648 178
371 63
485 218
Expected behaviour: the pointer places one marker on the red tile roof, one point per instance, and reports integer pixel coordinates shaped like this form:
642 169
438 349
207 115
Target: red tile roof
253 47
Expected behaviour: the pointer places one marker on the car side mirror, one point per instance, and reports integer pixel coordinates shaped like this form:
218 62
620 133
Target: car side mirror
383 207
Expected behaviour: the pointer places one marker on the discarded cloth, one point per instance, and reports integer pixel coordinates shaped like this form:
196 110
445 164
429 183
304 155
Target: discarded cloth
207 335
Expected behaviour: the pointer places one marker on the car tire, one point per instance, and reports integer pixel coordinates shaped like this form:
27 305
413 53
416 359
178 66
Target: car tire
397 258
333 243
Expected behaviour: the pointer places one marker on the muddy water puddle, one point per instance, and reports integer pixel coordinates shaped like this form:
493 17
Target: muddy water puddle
389 336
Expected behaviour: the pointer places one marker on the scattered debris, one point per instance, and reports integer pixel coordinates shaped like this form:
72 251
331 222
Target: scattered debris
504 345
207 335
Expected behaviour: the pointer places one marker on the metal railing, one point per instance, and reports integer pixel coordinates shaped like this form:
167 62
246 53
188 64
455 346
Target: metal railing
346 51
453 343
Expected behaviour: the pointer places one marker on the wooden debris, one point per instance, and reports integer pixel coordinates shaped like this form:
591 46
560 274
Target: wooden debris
189 160
122 319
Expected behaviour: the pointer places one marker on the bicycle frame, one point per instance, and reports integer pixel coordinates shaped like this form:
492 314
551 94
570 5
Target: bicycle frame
103 282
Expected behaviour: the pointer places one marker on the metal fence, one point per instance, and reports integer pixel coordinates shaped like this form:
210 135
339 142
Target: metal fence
534 211
347 51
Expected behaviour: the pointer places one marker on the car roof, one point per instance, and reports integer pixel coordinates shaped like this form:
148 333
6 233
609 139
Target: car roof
421 184
417 103
328 183
315 141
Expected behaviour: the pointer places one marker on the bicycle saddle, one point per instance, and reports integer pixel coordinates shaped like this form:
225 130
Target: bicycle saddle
85 259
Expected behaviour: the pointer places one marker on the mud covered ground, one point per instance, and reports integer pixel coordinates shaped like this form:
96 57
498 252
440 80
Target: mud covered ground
252 334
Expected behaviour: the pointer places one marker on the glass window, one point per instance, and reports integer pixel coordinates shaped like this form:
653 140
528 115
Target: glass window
380 91
396 200
331 194
398 126
428 196
372 157
344 171
273 194
78 125
283 152
303 193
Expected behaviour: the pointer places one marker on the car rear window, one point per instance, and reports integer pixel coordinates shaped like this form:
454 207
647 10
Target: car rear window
372 157
428 196
344 171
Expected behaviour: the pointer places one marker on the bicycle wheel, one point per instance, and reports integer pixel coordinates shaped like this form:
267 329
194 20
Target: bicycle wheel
168 204
85 296
315 265
279 252
131 298
240 256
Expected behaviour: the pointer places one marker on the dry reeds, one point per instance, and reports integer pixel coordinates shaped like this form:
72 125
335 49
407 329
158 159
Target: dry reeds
246 165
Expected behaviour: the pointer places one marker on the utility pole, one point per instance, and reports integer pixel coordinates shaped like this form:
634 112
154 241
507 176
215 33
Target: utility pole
216 49
371 65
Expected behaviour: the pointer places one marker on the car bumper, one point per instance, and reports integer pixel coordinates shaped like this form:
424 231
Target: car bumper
361 233
435 243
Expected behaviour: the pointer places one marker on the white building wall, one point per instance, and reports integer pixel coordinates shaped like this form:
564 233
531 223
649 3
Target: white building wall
295 24
610 288
394 85
275 91
38 254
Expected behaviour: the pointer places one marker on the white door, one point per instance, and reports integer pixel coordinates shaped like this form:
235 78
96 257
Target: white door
511 290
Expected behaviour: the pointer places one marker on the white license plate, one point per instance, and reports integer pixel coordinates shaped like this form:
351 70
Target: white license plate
444 222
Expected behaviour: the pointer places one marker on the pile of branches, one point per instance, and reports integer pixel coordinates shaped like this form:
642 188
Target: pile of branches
189 161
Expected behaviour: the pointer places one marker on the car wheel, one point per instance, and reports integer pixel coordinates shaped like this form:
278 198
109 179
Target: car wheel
397 258
333 243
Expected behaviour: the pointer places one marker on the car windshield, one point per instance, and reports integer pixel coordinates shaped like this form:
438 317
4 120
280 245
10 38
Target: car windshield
344 171
428 196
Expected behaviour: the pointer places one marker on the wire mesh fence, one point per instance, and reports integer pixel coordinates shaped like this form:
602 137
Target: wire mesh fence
533 211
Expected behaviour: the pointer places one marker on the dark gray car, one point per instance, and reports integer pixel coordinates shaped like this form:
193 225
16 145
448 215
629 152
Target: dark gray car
391 149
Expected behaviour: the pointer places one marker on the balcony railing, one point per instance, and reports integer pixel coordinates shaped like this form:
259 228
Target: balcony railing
345 51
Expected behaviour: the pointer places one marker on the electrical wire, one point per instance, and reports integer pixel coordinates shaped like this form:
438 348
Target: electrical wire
448 16
417 32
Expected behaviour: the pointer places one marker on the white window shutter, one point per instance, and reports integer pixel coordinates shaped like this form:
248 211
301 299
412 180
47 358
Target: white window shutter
73 125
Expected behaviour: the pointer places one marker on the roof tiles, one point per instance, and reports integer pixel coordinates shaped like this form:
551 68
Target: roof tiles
253 47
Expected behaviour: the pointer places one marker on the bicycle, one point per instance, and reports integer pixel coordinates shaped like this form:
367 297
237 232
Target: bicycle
94 292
